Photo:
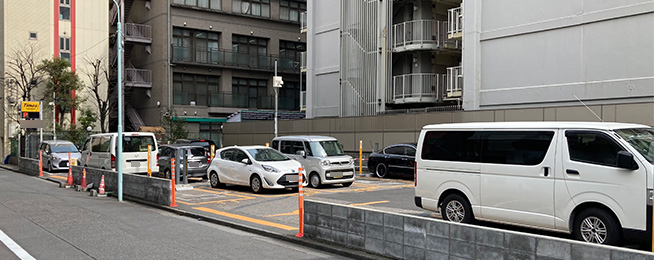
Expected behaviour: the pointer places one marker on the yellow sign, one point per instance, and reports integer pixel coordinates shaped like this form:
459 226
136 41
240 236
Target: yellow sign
30 106
73 162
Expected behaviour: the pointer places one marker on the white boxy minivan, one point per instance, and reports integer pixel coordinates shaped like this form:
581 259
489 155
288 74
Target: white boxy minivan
590 179
99 151
321 156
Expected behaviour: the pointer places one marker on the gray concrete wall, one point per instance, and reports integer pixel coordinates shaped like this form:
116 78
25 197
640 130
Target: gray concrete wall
409 237
380 131
150 189
546 53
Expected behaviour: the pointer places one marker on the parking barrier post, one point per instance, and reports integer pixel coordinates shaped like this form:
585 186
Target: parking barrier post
300 201
360 156
149 168
172 181
41 163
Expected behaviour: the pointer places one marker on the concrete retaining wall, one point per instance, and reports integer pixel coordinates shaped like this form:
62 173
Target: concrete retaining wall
150 189
410 237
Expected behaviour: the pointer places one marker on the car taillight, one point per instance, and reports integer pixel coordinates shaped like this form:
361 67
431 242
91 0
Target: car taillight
415 174
157 159
113 162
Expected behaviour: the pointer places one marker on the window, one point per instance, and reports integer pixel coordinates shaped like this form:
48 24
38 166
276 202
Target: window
198 46
252 7
292 147
64 9
33 36
289 96
290 10
64 48
592 147
100 144
515 147
248 92
290 54
239 155
208 4
227 154
396 150
211 131
460 146
250 51
196 88
137 143
275 144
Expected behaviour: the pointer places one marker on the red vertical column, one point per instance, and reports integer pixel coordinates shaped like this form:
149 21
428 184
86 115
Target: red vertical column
73 50
56 28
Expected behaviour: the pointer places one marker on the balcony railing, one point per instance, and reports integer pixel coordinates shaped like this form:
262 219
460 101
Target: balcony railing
138 78
416 88
303 100
303 22
303 62
454 82
223 99
138 32
455 23
228 58
422 35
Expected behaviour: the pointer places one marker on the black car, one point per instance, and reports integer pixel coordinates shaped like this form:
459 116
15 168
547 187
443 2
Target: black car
206 143
394 159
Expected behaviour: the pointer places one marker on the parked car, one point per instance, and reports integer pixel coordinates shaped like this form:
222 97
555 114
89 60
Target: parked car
586 178
55 154
99 151
259 167
321 156
393 159
198 161
206 143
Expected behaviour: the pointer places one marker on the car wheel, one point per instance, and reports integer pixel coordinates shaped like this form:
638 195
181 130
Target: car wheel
214 181
597 226
381 171
456 208
255 184
314 180
49 167
347 184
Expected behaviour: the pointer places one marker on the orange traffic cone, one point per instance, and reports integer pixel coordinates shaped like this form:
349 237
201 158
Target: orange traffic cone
101 189
69 181
83 184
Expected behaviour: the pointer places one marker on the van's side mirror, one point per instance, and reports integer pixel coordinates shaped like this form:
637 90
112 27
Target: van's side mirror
302 153
245 161
626 161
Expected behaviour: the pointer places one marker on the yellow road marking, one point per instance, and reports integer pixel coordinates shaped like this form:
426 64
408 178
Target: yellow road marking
368 203
58 177
285 214
244 218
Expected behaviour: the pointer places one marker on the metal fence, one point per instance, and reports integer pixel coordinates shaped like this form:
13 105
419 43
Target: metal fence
454 81
421 32
234 59
428 87
455 22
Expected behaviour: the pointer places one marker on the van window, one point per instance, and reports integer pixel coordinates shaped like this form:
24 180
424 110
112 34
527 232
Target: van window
459 146
592 147
100 143
137 143
515 147
292 147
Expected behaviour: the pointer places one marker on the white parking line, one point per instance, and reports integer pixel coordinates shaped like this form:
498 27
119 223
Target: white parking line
18 251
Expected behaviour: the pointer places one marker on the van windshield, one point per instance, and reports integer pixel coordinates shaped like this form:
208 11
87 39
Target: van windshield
137 143
326 148
641 139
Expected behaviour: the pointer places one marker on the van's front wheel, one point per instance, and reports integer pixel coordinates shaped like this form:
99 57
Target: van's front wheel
597 226
455 208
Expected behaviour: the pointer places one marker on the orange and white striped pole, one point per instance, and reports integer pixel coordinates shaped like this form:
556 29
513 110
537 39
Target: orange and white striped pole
172 181
149 158
300 201
41 163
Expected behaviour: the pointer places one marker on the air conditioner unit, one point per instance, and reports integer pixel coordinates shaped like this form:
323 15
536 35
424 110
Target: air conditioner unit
192 103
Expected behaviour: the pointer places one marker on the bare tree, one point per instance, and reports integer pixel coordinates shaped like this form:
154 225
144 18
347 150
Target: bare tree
23 70
97 76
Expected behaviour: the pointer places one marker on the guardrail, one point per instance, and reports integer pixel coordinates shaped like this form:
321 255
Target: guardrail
454 82
455 23
138 32
417 87
230 58
422 34
138 77
303 22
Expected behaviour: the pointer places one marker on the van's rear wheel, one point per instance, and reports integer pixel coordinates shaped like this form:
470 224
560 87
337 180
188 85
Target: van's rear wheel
456 208
597 226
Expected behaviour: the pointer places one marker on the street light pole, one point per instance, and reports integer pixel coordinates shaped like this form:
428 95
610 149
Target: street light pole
276 98
119 55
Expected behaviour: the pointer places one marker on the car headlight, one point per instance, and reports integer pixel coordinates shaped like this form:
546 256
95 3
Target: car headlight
325 163
269 168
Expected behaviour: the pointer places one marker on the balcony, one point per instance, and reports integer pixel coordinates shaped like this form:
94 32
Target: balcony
303 22
455 23
454 83
223 99
422 35
416 88
138 78
140 33
226 58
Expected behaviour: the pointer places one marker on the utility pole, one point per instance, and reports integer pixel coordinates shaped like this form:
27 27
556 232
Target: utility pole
119 153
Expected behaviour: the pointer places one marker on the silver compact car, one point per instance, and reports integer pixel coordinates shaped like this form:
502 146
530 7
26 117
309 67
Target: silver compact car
55 154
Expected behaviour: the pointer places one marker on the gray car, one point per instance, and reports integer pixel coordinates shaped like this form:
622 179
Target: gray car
55 154
198 161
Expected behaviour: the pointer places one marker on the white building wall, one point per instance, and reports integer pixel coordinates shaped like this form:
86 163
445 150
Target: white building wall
547 52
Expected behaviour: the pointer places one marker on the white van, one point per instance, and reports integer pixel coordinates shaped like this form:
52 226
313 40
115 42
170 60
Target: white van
590 179
321 156
99 151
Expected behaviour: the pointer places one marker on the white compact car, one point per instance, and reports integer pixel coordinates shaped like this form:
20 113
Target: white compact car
259 167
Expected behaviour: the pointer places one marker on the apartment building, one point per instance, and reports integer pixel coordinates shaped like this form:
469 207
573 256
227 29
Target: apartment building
208 59
71 29
435 55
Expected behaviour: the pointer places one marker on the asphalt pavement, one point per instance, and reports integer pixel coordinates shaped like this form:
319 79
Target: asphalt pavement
50 222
